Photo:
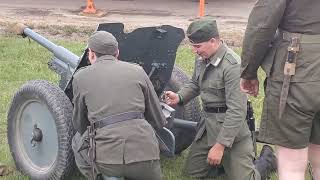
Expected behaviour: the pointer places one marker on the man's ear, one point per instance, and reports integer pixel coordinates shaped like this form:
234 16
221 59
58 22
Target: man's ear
90 52
117 54
213 40
91 56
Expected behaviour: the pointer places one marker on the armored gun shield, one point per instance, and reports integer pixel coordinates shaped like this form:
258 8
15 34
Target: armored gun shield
153 48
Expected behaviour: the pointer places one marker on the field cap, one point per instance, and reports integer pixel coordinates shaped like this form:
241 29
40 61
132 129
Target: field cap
103 43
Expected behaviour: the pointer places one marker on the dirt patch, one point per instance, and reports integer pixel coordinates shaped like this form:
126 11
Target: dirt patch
143 12
71 24
33 12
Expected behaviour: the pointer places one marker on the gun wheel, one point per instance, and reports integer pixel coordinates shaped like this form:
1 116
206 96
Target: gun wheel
190 111
40 131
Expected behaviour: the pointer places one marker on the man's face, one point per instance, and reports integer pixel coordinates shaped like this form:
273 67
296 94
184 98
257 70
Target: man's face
205 49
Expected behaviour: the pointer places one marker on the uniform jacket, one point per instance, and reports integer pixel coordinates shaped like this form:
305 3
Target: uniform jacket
217 83
110 87
262 46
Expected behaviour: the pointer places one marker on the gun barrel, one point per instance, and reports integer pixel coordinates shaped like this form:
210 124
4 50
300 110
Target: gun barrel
180 123
59 52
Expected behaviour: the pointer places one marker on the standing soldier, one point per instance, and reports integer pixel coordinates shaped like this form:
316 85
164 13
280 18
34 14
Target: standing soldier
223 139
283 37
111 101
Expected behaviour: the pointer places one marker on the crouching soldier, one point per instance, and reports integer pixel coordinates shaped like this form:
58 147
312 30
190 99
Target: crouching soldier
115 111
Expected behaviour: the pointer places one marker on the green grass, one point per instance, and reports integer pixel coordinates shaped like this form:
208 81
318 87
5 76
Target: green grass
21 61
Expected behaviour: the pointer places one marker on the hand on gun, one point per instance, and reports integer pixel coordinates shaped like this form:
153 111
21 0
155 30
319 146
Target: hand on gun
171 98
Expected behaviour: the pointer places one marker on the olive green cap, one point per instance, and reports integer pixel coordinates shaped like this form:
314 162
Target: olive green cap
202 30
103 43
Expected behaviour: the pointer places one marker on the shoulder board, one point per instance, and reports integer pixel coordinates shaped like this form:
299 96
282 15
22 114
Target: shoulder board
233 58
79 71
82 68
133 63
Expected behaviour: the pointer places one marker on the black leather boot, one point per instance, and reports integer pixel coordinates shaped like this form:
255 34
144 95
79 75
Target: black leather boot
266 163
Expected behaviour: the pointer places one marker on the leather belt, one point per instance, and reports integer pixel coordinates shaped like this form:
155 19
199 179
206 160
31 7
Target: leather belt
304 38
215 109
117 118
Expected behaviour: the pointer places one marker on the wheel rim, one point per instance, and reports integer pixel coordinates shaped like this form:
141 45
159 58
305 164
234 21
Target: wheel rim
41 152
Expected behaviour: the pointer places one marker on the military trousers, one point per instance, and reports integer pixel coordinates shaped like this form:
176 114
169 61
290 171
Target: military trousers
237 161
143 170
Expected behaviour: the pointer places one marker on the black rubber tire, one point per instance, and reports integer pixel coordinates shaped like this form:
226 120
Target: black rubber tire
190 111
60 108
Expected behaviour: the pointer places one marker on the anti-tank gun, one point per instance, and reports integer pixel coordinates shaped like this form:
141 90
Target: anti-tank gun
39 119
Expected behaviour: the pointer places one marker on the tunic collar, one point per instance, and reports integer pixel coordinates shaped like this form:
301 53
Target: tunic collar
106 58
217 57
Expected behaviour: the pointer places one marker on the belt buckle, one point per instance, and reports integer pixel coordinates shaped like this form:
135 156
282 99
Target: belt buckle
284 37
218 110
96 124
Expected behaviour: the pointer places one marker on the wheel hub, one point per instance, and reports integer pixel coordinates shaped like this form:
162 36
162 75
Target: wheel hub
36 135
38 141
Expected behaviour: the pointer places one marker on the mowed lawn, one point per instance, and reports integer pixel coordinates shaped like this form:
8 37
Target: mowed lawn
21 60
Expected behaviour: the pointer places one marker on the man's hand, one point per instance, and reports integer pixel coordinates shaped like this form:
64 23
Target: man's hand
171 98
250 87
215 154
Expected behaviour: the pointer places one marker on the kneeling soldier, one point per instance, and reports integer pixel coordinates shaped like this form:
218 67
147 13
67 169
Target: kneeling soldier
223 144
115 111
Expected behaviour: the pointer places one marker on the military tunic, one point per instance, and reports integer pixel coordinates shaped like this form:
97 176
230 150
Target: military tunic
265 44
217 83
110 87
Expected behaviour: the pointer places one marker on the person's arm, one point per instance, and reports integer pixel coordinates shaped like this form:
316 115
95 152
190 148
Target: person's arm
263 22
191 89
236 103
153 112
79 119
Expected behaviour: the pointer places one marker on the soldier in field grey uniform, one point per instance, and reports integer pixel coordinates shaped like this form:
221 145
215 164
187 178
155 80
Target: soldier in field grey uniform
283 37
119 102
223 140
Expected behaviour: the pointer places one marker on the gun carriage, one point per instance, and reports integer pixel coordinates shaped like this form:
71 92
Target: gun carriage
39 119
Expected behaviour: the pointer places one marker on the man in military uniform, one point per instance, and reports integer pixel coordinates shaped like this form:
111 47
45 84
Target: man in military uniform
223 139
283 37
115 111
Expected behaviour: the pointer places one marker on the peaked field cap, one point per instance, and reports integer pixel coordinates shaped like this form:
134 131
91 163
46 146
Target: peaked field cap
202 30
103 42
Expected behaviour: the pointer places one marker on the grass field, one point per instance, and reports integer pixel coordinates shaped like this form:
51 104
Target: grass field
21 61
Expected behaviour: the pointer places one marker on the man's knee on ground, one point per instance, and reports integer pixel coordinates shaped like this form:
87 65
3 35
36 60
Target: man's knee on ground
104 177
196 172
